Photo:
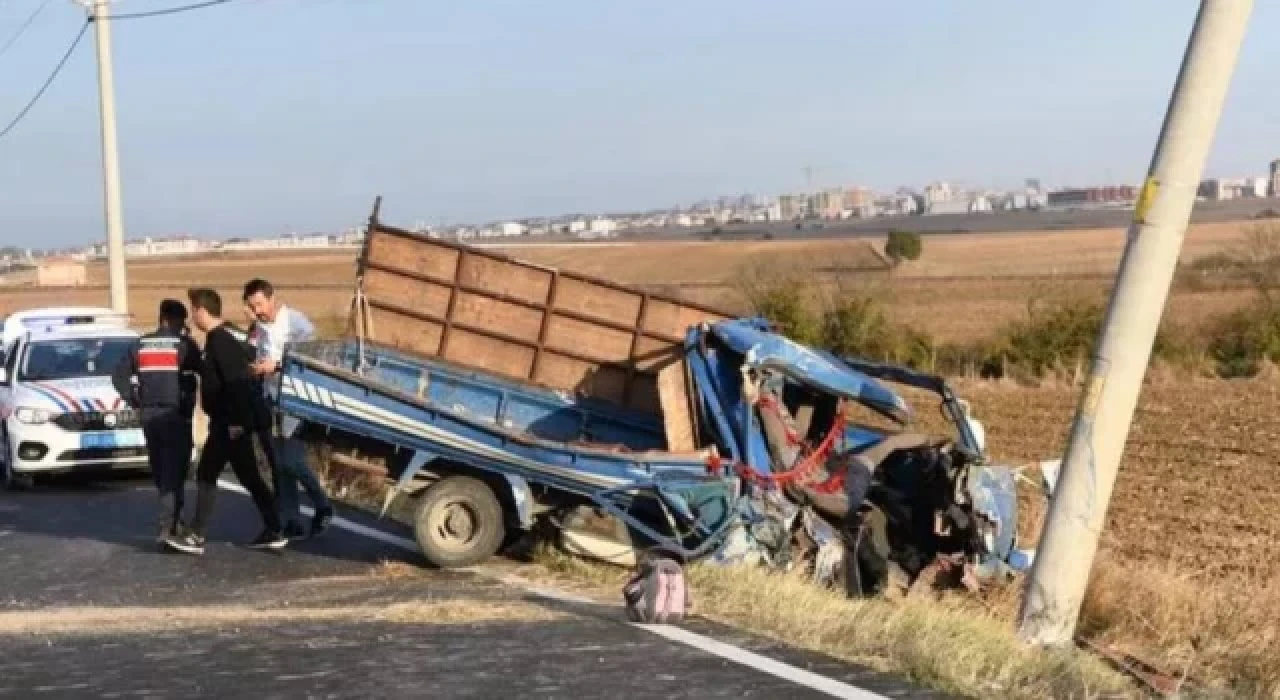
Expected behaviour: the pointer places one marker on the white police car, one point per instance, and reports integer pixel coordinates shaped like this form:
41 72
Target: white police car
58 409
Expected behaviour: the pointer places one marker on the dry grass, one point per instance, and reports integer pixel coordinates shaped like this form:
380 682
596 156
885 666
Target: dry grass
1223 631
93 620
952 645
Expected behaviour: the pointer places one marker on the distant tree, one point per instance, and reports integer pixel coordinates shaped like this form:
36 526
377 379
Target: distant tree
903 245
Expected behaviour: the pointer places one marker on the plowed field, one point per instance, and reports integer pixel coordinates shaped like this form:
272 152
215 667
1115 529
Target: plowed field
1197 485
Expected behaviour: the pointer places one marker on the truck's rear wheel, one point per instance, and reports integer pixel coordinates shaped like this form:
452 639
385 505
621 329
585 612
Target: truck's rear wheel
459 522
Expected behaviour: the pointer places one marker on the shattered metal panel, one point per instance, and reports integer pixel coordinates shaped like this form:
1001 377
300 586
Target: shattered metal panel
995 498
817 369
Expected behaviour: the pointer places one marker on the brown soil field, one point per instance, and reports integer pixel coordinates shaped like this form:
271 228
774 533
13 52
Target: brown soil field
1197 487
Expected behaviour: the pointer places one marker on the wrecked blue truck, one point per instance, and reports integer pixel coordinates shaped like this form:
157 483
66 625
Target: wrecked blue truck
782 430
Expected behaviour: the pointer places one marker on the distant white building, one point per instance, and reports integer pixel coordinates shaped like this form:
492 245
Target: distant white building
147 247
577 226
512 228
1233 188
287 242
602 226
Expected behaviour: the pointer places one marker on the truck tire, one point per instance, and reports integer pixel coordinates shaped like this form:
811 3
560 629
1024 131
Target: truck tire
459 522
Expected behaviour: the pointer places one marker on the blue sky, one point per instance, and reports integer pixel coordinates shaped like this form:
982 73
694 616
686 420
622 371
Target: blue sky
265 115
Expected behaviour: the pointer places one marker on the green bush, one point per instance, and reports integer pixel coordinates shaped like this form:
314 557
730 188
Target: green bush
1057 337
858 327
1060 337
787 307
903 245
1241 341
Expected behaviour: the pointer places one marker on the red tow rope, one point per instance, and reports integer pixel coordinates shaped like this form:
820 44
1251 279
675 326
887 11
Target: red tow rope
803 469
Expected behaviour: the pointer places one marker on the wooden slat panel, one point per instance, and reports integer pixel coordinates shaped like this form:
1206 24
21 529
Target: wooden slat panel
582 378
595 301
481 352
424 297
406 332
504 279
603 344
669 318
511 319
677 418
559 329
652 355
421 256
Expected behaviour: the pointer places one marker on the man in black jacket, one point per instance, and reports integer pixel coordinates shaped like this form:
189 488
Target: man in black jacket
228 397
158 379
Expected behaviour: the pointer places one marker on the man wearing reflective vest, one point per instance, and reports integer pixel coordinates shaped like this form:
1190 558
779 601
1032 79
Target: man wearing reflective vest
159 379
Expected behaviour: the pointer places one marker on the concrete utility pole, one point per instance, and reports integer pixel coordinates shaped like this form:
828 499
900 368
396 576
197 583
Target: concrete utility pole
101 13
1076 517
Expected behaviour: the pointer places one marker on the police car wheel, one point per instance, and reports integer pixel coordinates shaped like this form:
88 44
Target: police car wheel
9 479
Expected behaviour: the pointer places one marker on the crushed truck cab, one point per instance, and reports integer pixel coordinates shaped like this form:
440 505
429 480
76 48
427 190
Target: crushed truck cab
58 409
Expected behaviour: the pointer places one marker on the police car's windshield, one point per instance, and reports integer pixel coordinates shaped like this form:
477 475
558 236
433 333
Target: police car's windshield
73 358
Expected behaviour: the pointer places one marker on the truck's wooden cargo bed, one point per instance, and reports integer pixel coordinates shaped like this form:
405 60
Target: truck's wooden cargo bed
554 328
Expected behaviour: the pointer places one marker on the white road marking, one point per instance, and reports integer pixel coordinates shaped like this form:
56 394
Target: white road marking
385 537
728 652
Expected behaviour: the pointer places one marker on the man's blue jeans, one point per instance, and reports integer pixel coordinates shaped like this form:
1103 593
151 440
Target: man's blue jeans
292 471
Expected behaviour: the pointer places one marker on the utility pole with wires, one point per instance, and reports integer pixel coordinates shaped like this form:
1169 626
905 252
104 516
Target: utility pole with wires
99 14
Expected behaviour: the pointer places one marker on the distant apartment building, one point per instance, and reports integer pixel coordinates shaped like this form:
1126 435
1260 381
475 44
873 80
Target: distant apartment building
1273 187
938 192
858 198
512 228
792 206
287 242
147 247
828 204
1111 195
602 227
1233 188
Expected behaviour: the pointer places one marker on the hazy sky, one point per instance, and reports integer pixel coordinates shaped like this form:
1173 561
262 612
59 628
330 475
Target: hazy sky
265 115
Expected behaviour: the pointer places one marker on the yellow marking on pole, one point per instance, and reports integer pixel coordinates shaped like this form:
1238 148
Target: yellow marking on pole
1146 197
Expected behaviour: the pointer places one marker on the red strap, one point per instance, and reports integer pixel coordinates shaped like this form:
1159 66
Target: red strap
801 471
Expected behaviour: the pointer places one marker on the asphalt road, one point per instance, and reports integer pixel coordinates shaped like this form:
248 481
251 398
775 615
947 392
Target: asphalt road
91 607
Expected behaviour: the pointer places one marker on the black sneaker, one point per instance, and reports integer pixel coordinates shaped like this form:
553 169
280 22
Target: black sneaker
294 531
269 540
189 543
320 521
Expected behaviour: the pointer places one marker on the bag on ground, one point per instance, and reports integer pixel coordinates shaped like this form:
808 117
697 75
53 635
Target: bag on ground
657 592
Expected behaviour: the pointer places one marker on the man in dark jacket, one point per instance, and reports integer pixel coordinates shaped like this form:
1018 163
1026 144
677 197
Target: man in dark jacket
228 398
158 379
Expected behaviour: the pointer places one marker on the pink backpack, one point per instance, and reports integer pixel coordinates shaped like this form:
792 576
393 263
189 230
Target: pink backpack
657 592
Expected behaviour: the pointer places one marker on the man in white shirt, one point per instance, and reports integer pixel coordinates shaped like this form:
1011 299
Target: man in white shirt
277 325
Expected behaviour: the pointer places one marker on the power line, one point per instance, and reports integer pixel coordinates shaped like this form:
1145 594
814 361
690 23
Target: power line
49 81
26 24
170 10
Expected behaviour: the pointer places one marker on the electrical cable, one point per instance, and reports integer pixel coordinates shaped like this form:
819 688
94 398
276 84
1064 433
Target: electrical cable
26 24
48 81
169 10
